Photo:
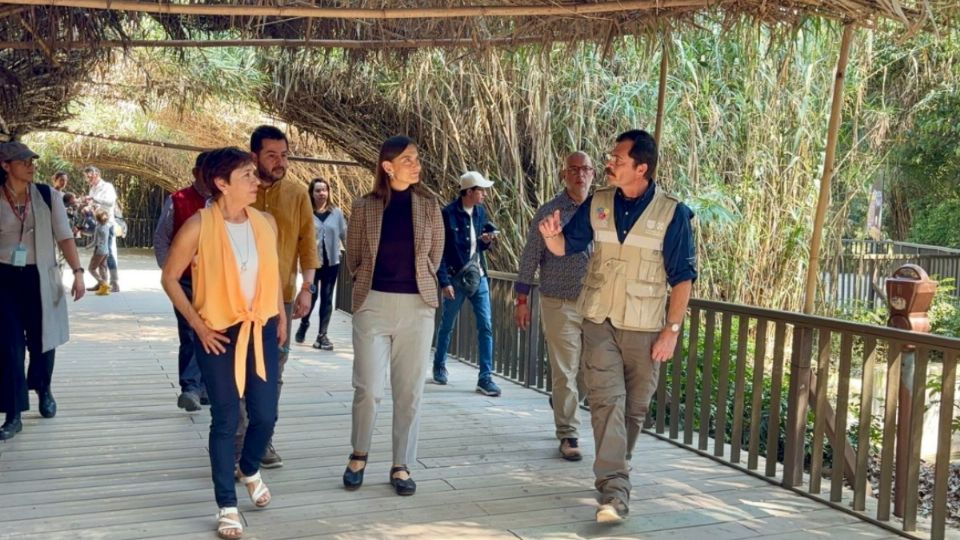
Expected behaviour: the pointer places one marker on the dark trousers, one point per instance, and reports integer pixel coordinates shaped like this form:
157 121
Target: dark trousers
187 368
261 407
325 279
21 331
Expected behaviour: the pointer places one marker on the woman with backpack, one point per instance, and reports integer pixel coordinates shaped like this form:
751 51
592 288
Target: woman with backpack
33 315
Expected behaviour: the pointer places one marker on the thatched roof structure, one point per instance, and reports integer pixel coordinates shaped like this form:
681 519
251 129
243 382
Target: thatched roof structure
46 46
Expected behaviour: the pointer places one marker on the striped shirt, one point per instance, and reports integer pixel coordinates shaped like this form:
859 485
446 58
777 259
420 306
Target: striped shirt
560 277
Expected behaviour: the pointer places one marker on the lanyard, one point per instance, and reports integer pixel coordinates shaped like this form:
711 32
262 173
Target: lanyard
21 213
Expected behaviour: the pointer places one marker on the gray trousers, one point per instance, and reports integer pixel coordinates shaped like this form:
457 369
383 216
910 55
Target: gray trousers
392 330
563 333
621 378
244 421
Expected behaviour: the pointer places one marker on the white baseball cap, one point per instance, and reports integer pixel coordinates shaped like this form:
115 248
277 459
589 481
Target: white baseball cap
472 179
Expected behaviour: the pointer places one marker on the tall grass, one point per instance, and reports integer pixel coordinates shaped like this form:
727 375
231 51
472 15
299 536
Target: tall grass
744 131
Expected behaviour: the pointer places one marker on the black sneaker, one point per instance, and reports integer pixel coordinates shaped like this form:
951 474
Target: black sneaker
325 343
488 388
271 459
301 334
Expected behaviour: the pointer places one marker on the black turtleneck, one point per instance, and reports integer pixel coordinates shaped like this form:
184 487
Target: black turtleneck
395 270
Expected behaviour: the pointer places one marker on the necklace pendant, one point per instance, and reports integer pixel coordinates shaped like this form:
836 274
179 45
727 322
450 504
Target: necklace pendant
243 267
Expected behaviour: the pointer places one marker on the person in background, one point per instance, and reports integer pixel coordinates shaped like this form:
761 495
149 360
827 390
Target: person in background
331 229
560 281
468 235
101 239
394 248
33 309
177 209
290 205
60 180
237 314
103 195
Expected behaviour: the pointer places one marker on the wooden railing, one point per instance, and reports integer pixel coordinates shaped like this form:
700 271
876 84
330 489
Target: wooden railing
858 274
824 407
139 233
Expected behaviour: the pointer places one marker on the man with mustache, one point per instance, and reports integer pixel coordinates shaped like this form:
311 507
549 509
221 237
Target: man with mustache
643 242
560 283
290 205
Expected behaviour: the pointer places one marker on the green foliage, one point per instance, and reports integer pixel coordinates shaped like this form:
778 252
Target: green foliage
938 223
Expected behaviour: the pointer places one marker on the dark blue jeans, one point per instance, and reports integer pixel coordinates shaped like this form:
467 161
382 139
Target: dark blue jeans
261 403
480 300
187 368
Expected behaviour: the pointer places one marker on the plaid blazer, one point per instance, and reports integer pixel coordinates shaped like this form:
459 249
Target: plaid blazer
363 242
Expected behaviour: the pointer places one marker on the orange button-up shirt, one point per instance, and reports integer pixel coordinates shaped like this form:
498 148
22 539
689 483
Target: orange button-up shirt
289 203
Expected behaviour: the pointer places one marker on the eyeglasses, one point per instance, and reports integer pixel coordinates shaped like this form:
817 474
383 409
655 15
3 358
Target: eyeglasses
580 170
617 160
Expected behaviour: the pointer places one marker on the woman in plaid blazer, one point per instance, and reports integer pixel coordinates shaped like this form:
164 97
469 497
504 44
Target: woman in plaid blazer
394 245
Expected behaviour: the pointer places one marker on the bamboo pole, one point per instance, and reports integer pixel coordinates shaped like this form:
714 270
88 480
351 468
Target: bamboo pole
234 10
287 43
833 130
848 9
662 89
189 147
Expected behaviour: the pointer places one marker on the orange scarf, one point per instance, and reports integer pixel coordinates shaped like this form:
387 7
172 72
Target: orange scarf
217 295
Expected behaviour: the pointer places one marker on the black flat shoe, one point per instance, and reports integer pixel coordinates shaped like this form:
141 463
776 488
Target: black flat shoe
48 405
354 479
10 428
402 487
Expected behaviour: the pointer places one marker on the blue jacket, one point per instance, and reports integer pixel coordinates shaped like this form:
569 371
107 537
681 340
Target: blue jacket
456 248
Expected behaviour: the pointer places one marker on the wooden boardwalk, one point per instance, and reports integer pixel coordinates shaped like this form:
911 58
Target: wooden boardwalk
120 461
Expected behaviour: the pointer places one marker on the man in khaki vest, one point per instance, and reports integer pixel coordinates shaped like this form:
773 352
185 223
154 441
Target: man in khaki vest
643 243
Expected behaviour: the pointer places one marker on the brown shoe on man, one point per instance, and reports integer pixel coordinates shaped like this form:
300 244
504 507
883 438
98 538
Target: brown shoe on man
570 449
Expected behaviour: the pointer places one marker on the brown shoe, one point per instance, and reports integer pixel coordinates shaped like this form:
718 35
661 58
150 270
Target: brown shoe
570 449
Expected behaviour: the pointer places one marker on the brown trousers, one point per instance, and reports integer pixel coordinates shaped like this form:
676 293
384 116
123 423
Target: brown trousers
621 378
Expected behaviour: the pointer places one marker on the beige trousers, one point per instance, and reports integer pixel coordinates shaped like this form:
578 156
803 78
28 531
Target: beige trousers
621 378
562 331
392 330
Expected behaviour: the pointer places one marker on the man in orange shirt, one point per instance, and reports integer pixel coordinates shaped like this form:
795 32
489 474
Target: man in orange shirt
289 204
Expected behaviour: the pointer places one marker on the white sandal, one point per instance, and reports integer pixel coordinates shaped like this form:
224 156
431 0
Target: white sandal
225 523
259 490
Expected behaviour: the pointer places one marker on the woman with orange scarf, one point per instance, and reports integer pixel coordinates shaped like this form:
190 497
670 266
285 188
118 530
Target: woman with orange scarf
237 313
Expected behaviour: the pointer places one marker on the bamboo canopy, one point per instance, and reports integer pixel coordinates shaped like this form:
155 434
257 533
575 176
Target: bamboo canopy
46 46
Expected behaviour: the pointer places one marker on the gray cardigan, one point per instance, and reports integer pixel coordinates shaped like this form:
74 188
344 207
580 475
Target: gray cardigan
333 231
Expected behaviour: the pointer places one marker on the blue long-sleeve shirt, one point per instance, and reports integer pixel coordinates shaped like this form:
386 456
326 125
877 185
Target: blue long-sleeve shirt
679 254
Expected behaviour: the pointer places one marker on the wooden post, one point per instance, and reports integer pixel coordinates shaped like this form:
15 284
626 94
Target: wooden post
662 90
833 131
797 402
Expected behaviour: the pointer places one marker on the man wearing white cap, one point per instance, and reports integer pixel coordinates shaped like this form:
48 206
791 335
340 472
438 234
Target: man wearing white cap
463 275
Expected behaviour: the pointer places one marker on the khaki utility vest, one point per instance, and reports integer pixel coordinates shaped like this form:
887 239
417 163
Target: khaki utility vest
627 282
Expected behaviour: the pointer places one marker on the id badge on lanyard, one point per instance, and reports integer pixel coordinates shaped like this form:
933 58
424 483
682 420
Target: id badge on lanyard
19 258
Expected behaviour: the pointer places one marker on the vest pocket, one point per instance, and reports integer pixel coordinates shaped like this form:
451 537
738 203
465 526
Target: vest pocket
646 305
590 303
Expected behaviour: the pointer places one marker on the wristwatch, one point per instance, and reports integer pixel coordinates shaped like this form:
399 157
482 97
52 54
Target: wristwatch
78 269
674 327
309 287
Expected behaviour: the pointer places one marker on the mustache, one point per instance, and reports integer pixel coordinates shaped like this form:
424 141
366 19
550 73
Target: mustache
608 171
